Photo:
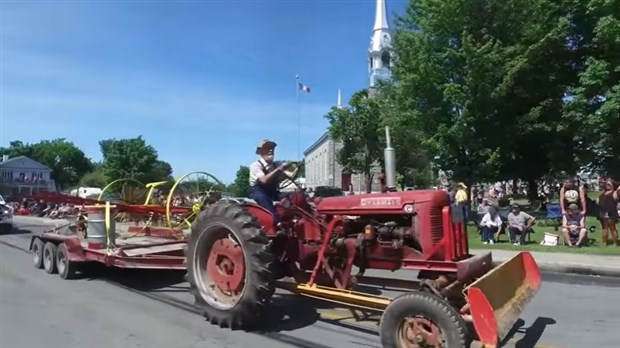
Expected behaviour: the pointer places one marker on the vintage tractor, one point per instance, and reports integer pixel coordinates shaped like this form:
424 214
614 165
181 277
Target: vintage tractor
236 255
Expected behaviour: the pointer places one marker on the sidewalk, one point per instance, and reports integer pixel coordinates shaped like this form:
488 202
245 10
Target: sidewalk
597 265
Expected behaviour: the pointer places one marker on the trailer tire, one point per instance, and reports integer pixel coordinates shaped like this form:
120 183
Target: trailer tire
66 268
427 311
247 249
37 253
49 258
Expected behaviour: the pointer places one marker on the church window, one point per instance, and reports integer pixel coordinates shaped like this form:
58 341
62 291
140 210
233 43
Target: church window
385 58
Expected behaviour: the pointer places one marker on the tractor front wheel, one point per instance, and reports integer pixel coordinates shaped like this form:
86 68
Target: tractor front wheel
420 319
229 266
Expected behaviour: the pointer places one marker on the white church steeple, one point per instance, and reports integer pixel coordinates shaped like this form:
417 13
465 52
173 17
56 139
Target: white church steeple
339 103
379 56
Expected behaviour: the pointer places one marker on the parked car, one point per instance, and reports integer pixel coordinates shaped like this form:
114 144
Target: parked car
6 218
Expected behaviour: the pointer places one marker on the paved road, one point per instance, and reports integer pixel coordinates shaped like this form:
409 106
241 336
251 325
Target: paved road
146 309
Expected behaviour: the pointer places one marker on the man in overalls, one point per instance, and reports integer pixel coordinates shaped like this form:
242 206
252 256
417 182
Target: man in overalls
265 178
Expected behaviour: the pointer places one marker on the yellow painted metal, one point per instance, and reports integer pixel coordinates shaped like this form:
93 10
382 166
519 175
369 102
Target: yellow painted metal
187 220
152 186
339 296
116 182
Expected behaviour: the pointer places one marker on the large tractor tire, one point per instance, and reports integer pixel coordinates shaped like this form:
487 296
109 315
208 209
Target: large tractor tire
421 319
229 266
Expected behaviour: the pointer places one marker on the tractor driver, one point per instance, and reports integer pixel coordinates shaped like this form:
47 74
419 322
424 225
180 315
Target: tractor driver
265 178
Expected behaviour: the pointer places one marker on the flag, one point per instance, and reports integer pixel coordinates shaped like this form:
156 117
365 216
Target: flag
303 87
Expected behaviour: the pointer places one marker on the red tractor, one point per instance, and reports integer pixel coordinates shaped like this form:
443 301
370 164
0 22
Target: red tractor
236 255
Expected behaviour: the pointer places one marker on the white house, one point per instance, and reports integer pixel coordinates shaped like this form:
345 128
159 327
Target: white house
24 176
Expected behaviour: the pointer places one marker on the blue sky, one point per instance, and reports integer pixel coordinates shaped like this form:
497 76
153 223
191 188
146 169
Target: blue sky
201 81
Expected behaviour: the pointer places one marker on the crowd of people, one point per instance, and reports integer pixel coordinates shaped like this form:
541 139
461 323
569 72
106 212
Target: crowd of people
495 213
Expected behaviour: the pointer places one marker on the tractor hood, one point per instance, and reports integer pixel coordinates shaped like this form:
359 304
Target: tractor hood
390 202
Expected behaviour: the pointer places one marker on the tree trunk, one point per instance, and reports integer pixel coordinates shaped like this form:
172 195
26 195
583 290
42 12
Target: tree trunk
369 182
532 189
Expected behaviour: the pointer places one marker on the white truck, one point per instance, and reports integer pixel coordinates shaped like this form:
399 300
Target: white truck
84 192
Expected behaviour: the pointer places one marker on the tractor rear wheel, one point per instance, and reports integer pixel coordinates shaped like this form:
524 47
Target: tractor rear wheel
229 266
421 319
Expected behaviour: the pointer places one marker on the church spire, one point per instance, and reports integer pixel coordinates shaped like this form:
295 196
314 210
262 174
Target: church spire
379 56
381 21
339 103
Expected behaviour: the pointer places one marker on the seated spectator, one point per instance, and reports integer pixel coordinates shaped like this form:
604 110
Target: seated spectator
491 223
519 223
483 208
574 226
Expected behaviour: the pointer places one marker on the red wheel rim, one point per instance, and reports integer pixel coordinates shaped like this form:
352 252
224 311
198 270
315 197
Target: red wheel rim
222 276
420 332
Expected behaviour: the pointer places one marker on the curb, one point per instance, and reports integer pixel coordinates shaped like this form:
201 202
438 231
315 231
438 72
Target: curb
574 269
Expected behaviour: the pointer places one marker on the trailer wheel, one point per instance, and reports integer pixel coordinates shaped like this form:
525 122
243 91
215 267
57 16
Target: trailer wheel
420 319
66 268
229 266
37 253
49 258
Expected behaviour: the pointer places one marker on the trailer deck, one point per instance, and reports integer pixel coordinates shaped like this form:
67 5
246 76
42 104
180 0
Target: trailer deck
66 251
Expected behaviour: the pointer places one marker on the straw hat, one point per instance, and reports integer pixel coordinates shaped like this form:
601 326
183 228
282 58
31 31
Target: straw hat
265 145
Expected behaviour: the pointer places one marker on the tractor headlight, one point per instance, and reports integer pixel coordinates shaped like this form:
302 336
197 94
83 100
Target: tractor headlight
408 208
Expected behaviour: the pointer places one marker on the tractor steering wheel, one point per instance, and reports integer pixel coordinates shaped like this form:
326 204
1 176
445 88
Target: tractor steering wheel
290 173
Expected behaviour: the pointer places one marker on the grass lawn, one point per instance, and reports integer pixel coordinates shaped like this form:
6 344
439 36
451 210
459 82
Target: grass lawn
595 246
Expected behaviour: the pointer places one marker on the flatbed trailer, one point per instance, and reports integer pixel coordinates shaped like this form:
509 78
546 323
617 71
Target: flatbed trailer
63 250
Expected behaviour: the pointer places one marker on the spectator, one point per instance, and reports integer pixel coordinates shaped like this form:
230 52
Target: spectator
574 226
491 223
461 200
483 208
519 223
608 207
571 194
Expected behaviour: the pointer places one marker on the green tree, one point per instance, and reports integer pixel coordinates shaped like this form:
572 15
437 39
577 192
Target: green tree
67 162
482 83
358 129
241 185
128 158
161 171
594 104
95 178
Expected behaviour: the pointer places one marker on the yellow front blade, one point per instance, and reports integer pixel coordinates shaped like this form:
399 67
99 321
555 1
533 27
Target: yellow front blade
497 299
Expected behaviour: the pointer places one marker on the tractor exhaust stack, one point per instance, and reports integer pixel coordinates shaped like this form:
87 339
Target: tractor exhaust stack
390 162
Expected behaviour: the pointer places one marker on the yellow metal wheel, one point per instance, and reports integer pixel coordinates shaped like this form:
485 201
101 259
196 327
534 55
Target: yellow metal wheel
129 191
192 191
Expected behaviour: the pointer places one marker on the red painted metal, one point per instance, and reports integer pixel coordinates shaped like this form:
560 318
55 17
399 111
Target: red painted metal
497 299
56 197
78 252
226 266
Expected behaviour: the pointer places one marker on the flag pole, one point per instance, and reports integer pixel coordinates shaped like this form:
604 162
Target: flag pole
298 118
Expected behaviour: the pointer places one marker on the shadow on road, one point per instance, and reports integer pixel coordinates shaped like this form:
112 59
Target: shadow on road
531 334
286 312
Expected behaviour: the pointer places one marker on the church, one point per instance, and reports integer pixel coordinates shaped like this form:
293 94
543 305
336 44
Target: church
322 167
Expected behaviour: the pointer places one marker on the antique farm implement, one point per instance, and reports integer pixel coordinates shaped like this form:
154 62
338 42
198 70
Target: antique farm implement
156 241
162 205
236 257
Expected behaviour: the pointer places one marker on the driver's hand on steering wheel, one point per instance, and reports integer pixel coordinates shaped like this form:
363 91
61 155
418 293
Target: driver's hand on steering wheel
281 167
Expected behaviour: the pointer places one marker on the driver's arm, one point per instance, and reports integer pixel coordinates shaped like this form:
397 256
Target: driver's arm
256 174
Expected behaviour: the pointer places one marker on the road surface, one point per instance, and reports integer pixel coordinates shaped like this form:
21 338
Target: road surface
148 309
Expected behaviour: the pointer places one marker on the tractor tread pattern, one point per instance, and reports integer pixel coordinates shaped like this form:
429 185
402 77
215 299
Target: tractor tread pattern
454 328
259 284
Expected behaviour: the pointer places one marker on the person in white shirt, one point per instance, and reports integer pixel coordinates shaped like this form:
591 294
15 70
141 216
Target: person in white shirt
490 224
265 177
